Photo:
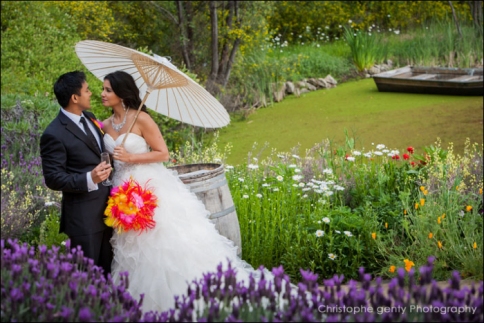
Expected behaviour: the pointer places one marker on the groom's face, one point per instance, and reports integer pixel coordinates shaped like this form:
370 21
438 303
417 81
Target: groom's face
84 99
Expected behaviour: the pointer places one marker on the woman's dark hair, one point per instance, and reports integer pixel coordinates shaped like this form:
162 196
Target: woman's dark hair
124 87
68 84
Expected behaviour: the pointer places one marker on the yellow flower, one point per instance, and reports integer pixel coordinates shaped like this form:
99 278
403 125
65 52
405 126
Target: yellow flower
408 264
457 188
422 202
416 206
386 225
439 244
422 188
425 192
373 235
468 208
438 220
474 245
392 269
480 191
405 212
443 216
431 235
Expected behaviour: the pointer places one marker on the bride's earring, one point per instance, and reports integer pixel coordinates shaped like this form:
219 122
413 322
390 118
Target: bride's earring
122 103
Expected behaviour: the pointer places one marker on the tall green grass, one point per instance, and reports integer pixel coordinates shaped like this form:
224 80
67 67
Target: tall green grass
366 48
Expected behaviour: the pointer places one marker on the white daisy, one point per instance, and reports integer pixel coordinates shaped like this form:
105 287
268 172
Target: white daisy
297 177
280 178
332 256
326 220
259 195
347 233
245 196
319 233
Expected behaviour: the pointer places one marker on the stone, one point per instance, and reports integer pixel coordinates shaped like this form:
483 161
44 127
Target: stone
322 83
290 87
374 70
311 87
329 79
278 91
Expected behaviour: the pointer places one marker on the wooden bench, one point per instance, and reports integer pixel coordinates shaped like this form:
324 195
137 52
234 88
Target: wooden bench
465 78
423 76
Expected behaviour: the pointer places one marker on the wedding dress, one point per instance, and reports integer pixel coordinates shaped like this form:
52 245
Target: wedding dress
182 246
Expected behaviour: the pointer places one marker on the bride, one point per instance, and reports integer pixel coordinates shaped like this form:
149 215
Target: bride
184 244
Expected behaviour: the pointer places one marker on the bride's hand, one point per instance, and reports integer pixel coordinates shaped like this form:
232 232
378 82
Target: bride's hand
121 154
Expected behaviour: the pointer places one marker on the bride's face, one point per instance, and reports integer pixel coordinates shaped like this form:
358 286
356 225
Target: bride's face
109 98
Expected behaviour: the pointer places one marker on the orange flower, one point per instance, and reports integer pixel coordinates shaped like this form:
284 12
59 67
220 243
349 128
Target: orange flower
422 202
468 208
474 245
422 188
416 206
443 216
439 244
408 264
425 192
392 269
373 235
438 220
405 212
480 191
431 235
386 225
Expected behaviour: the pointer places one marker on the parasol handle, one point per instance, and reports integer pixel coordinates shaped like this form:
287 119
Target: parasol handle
136 116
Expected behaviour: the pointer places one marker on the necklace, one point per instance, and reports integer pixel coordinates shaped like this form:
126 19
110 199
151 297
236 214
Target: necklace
118 127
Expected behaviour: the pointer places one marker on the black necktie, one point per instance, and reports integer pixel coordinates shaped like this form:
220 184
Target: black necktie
89 133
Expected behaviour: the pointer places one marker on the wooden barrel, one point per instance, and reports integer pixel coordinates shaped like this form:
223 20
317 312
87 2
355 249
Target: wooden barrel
209 184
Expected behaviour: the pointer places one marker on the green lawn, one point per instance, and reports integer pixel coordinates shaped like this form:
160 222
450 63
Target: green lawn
397 120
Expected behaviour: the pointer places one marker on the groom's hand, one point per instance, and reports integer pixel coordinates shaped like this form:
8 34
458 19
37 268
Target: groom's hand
101 172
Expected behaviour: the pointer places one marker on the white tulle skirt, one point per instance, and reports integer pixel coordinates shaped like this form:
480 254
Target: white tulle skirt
183 245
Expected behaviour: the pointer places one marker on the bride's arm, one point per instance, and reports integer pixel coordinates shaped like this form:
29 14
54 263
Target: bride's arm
151 133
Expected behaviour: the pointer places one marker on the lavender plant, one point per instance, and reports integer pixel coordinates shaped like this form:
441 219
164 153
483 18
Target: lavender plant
274 299
48 285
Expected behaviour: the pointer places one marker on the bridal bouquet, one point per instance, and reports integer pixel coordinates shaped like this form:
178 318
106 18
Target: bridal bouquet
131 207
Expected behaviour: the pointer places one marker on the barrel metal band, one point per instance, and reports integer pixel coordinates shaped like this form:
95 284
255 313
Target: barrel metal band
208 185
222 213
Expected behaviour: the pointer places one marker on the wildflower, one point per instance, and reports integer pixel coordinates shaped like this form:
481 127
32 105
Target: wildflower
373 235
280 178
425 192
380 146
480 191
392 269
301 184
422 202
326 220
245 196
331 256
396 157
347 233
431 235
439 244
413 164
422 188
461 213
49 203
297 177
406 157
265 185
438 220
296 156
351 159
253 166
297 170
338 232
410 149
408 264
405 212
292 166
468 208
356 153
416 206
229 167
386 225
443 216
276 189
457 188
319 233
330 171
474 245
241 179
258 195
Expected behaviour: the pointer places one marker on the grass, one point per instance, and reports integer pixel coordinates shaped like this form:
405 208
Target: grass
396 119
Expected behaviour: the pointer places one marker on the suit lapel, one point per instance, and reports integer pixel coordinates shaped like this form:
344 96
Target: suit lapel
76 131
100 134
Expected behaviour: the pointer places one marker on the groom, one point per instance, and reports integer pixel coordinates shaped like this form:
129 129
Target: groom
70 148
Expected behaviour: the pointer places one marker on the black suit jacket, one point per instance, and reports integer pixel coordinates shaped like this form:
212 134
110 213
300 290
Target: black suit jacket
67 155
